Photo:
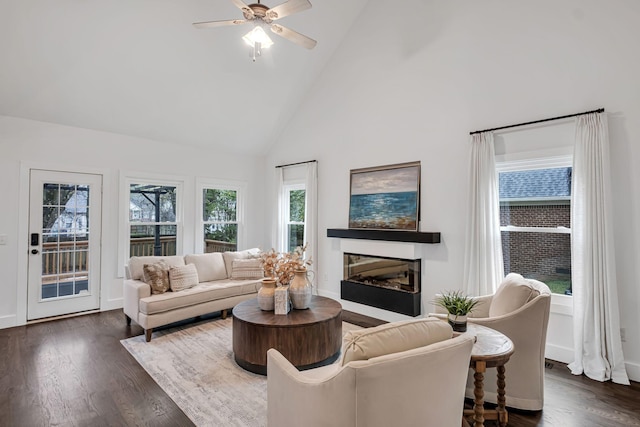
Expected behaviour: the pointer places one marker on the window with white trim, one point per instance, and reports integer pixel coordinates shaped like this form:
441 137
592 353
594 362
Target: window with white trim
535 220
294 218
220 219
154 218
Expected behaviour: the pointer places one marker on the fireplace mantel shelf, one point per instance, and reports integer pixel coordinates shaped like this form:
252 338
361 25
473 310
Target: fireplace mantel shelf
386 235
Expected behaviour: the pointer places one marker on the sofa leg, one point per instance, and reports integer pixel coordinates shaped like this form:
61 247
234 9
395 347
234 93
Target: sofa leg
224 313
128 320
147 334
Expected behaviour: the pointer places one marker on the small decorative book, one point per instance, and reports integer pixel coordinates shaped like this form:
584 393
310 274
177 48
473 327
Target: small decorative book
281 300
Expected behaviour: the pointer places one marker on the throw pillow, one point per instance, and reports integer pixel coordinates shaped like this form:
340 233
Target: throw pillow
157 276
181 278
230 256
514 292
364 344
246 269
210 266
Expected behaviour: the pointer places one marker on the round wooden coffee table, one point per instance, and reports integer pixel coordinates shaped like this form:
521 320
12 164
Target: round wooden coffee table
307 338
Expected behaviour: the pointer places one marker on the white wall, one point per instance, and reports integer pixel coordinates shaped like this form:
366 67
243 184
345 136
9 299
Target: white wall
411 81
25 144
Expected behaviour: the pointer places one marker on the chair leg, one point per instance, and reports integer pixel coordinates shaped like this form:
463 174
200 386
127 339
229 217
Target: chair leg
128 320
224 313
147 334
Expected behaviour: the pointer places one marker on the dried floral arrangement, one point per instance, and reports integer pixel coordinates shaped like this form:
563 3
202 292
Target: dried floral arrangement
282 265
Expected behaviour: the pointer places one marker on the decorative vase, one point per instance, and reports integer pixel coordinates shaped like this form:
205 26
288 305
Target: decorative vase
266 294
458 322
300 290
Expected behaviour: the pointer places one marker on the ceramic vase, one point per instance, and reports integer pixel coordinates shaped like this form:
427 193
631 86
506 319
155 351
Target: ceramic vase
300 290
458 322
266 294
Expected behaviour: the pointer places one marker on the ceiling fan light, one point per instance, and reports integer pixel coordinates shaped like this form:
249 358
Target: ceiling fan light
257 35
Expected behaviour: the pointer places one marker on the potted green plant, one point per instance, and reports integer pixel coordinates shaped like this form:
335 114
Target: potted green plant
458 306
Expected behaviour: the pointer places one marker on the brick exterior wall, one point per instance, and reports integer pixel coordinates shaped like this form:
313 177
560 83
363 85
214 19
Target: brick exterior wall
536 216
536 255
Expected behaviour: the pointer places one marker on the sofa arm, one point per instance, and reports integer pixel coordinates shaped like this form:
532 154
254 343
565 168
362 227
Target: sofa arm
133 291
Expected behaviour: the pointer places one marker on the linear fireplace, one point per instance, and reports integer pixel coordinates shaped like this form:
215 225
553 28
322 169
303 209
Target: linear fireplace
389 283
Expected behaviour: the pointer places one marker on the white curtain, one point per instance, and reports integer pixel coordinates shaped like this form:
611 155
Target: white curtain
311 214
483 257
280 232
596 322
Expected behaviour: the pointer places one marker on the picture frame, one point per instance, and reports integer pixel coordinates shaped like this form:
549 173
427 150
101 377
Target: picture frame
385 197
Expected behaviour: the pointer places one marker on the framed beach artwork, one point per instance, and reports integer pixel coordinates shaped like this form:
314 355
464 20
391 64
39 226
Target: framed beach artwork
385 197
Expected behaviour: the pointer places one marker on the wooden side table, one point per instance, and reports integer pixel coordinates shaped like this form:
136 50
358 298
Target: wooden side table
307 338
491 350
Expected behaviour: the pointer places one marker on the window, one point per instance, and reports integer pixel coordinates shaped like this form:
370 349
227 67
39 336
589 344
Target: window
535 221
220 219
294 215
153 219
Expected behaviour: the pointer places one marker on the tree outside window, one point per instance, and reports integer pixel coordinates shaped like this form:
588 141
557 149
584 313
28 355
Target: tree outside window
220 219
295 220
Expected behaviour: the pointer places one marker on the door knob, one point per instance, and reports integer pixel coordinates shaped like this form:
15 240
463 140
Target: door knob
34 251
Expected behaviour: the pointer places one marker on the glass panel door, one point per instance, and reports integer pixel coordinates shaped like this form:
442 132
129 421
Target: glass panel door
64 251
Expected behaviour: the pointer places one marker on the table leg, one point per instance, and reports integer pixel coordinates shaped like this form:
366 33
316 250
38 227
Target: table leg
478 392
502 410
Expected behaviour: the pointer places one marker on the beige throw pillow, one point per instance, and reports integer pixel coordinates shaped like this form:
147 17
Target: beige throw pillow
181 278
246 269
230 256
364 344
210 266
157 276
514 292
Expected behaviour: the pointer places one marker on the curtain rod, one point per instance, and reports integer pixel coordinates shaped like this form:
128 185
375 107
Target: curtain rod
296 164
599 110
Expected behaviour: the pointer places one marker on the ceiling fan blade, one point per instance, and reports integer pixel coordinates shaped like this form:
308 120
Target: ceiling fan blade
213 24
246 10
293 36
288 8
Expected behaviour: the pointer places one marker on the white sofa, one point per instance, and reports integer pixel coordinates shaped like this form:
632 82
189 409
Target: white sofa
216 290
409 373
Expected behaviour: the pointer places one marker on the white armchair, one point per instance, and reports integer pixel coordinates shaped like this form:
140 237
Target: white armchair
405 373
520 310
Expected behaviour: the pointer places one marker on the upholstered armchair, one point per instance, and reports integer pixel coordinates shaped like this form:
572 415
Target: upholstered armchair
520 310
399 374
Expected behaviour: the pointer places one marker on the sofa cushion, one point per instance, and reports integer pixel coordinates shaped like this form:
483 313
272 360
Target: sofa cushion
137 262
183 277
210 266
157 276
247 269
514 292
364 344
230 256
202 292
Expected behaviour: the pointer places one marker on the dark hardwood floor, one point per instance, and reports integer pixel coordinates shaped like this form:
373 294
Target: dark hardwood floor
75 372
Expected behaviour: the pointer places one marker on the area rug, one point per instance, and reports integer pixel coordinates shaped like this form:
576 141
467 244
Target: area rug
194 365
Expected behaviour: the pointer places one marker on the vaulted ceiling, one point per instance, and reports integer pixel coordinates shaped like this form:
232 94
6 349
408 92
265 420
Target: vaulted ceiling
138 67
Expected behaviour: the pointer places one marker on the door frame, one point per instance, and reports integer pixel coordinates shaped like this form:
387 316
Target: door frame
40 307
107 302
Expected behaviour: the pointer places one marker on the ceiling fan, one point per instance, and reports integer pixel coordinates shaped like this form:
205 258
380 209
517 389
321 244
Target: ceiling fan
262 16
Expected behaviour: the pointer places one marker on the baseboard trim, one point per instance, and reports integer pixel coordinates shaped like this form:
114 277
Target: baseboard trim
633 371
112 304
559 353
8 321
